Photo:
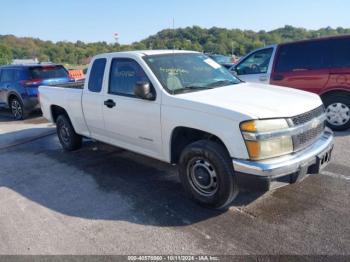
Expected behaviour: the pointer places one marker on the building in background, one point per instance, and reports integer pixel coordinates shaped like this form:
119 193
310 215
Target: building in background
24 61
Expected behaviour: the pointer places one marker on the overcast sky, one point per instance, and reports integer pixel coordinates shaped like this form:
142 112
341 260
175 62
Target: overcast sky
92 20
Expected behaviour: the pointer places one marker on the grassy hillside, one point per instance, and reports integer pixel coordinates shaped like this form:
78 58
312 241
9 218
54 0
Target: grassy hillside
216 40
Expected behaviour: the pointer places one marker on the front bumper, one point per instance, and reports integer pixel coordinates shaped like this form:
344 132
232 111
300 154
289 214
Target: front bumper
271 173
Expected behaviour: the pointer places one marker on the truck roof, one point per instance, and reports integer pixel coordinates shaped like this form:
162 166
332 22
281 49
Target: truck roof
148 52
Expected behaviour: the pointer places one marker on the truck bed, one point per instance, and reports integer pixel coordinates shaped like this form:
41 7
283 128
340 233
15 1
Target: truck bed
65 96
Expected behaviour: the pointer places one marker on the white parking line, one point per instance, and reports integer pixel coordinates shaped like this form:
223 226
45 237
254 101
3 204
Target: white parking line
335 175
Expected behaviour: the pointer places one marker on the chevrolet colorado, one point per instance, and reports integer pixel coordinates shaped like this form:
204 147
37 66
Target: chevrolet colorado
183 108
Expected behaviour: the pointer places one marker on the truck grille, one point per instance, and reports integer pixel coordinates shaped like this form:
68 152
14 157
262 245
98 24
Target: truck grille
308 116
308 137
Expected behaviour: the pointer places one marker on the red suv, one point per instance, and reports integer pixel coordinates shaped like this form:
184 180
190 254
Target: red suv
321 66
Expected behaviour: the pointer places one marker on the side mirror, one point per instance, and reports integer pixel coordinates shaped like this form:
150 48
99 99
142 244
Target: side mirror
144 90
234 70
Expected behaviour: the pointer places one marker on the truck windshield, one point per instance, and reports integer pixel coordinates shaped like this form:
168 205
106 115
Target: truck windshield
47 72
180 73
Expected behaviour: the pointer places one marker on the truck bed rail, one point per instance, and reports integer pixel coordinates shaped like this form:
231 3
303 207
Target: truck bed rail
77 85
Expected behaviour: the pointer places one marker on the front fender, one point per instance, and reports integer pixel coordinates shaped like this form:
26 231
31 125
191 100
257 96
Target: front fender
225 129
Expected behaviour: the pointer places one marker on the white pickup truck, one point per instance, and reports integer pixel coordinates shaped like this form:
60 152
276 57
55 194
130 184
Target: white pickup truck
183 108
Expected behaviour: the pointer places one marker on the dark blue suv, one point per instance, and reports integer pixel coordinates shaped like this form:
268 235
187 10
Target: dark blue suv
19 85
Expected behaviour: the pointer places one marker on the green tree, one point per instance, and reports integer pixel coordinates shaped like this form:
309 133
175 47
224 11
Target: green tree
215 39
5 55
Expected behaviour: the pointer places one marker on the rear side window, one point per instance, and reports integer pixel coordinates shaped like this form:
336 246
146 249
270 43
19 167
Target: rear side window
7 75
124 75
19 74
340 53
302 56
47 72
96 75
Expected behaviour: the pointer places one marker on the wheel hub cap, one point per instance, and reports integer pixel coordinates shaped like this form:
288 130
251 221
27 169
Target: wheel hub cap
65 133
202 177
338 114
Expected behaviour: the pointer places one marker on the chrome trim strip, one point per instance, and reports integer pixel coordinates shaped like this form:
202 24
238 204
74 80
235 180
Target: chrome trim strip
287 164
292 131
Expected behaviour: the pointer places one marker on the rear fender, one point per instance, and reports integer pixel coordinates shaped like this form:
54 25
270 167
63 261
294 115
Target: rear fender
11 94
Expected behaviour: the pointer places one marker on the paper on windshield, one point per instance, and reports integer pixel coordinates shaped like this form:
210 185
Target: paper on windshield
212 63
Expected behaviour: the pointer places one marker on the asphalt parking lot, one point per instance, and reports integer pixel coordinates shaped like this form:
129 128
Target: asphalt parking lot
105 200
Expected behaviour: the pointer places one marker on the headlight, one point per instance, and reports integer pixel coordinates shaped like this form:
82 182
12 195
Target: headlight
264 125
269 147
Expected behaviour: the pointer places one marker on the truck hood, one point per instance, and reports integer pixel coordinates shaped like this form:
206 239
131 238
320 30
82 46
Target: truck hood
252 100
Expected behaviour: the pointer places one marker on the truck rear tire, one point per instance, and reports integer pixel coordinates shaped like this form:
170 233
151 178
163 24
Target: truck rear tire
69 140
207 175
338 111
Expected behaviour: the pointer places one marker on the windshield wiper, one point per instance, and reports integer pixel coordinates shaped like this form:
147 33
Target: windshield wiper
190 88
221 83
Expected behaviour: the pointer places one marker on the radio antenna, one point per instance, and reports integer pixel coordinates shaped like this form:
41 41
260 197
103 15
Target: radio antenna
173 56
173 34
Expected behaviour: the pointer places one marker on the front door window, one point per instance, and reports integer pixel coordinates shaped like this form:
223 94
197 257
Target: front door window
256 63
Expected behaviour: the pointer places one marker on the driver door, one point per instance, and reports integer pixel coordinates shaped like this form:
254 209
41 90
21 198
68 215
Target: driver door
256 67
131 122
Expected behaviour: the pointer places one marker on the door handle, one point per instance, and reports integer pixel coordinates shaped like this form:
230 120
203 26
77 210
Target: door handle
278 77
109 103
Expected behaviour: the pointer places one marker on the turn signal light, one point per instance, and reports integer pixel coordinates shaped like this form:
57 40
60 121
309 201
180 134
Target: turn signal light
253 148
248 126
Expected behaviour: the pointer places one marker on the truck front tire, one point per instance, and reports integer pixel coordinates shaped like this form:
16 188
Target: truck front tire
69 140
207 174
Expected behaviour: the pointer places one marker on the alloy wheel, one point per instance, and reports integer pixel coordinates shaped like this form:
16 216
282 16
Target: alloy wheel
16 109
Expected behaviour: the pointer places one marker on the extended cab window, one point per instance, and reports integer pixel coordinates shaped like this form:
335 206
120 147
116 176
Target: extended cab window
96 75
256 63
124 75
302 56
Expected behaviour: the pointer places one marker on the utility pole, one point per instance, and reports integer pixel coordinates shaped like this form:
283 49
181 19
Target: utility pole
116 38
